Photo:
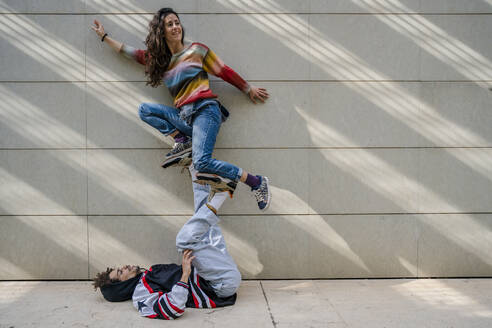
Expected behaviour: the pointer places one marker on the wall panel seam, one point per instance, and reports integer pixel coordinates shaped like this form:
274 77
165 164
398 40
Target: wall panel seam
254 215
418 248
263 80
88 250
253 13
260 148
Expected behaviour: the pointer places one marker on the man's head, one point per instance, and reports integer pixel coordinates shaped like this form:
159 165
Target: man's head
118 284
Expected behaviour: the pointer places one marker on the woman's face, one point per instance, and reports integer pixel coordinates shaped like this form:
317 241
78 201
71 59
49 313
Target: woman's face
173 31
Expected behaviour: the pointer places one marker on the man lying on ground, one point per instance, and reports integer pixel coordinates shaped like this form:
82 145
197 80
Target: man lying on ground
165 290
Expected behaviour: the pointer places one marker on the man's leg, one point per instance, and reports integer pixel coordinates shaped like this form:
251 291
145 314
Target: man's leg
194 230
203 235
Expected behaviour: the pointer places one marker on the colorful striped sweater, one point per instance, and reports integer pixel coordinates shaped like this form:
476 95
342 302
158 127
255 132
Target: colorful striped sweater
186 76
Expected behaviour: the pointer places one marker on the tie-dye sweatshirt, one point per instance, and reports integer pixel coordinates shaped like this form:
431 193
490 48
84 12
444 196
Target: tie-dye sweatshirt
186 76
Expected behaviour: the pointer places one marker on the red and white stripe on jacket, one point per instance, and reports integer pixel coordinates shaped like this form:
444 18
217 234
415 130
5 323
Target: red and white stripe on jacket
170 305
200 298
156 304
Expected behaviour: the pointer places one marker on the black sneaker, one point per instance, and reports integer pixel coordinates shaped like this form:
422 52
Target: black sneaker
262 193
216 182
180 148
179 160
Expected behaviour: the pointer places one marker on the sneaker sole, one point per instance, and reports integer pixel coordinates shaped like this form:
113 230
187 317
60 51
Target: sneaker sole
187 150
216 182
269 195
177 161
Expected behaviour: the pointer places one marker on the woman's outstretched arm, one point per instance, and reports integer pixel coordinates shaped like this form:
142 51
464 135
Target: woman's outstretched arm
99 29
215 66
128 51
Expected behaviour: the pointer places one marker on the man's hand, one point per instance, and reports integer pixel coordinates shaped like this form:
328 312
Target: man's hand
186 265
98 28
258 94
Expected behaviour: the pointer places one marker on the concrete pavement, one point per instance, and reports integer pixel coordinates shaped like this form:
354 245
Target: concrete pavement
380 303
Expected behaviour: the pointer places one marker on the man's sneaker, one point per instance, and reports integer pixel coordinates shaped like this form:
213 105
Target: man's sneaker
216 182
179 149
180 160
193 172
262 193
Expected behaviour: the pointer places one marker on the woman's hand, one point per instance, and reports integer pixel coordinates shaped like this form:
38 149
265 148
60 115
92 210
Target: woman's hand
98 28
186 265
258 94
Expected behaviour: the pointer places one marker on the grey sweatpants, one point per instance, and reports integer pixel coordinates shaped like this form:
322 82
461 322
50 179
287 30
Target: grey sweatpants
202 234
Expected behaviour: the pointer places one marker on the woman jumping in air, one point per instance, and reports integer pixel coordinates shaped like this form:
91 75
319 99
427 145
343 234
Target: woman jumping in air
195 119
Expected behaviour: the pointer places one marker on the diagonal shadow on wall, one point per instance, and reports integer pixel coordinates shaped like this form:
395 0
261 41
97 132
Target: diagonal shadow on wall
322 158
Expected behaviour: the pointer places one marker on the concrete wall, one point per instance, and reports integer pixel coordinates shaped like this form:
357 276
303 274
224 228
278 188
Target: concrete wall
377 138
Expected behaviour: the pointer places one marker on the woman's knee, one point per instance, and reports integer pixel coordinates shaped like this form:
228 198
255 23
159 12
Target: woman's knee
143 110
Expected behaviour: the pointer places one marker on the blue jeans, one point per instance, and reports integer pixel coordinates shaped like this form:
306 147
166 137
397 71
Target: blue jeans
204 128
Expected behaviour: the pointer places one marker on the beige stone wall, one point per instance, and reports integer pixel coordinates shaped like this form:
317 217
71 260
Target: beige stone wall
377 138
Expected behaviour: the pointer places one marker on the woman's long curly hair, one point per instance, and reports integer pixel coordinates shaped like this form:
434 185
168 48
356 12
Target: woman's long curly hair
158 54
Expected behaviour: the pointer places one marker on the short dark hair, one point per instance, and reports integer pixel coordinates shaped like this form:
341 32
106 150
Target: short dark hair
102 279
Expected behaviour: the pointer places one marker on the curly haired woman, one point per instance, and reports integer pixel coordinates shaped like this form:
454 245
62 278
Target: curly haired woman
195 119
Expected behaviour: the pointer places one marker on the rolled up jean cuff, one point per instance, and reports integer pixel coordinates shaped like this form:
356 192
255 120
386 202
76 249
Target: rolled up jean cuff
239 173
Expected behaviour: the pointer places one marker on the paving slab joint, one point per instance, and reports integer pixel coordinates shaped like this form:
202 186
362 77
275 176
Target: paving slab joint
268 306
